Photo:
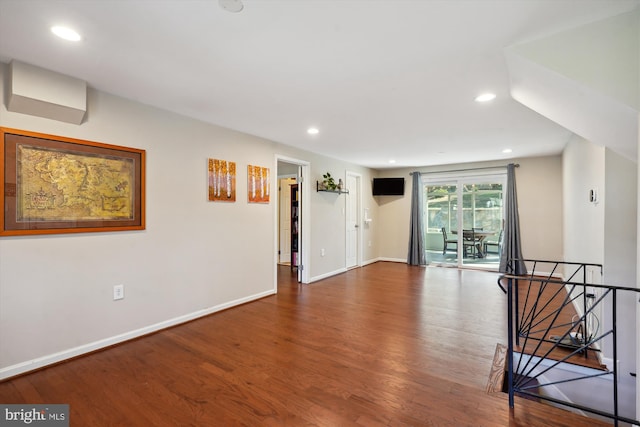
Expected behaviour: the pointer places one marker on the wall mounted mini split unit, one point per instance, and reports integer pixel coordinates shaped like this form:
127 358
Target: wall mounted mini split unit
44 93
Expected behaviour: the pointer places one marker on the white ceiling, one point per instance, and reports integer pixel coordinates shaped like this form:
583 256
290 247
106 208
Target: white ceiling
381 79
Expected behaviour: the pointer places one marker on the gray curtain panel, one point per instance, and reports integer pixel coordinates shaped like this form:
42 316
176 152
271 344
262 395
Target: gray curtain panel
511 249
416 254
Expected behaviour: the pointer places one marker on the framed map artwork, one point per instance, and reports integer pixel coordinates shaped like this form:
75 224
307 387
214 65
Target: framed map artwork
53 184
258 184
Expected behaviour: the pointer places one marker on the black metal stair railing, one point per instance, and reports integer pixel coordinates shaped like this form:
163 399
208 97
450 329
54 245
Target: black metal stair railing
554 322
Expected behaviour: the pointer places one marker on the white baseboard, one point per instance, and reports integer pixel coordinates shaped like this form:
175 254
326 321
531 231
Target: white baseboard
40 362
342 270
402 260
325 275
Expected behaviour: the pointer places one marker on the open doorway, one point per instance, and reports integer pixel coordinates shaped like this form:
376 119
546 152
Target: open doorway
288 220
292 219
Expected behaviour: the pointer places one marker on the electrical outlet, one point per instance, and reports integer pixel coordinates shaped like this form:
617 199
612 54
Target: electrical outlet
118 292
322 252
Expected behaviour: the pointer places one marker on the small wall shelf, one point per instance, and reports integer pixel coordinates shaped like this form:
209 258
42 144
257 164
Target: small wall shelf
319 188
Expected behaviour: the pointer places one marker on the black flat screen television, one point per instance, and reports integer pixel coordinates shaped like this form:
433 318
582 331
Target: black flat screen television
388 186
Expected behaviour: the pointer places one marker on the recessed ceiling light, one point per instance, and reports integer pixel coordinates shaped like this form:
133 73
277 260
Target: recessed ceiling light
485 97
507 150
313 131
392 161
66 33
234 6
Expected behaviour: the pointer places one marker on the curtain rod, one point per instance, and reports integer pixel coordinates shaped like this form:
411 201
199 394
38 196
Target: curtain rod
517 165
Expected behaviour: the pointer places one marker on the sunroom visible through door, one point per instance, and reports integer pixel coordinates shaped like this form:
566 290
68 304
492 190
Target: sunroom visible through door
469 234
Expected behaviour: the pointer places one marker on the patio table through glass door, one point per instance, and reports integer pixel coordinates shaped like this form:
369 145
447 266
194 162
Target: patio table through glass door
457 234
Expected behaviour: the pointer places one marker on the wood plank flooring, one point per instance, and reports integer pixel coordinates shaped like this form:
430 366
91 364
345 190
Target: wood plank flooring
383 345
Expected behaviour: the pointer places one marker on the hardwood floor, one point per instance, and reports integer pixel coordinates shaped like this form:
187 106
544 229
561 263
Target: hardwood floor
383 345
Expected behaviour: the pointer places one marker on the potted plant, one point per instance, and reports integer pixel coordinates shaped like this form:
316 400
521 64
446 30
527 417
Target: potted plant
329 183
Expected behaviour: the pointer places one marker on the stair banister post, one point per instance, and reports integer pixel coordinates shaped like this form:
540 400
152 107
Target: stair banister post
510 340
517 309
615 356
585 332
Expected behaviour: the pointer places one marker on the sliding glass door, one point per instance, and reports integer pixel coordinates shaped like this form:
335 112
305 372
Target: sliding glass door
441 222
467 233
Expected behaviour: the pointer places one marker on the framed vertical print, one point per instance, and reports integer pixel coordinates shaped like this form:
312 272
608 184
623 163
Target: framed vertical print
54 184
222 180
258 184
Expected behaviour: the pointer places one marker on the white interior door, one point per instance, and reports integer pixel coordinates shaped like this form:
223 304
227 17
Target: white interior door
285 219
352 220
301 195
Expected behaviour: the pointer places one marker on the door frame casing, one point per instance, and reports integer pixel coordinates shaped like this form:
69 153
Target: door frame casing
305 221
359 221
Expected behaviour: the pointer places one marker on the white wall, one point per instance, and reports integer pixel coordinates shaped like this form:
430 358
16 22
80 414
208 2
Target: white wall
602 55
620 229
393 211
605 233
540 195
539 186
193 258
620 198
583 170
637 323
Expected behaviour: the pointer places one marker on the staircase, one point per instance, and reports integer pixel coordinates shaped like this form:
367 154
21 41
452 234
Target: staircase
559 332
